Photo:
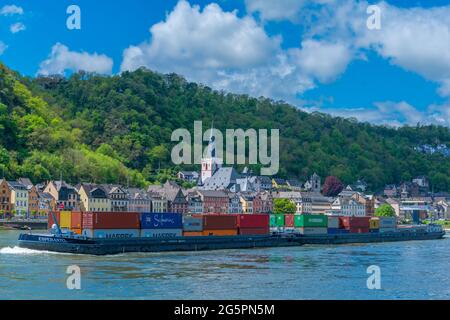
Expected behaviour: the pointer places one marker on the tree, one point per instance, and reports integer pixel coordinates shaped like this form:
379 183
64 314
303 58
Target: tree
385 210
283 206
332 186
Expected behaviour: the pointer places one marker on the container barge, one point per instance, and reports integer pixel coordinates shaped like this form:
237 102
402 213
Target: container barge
115 233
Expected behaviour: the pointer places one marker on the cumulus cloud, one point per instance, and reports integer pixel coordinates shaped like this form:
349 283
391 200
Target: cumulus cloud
17 27
275 10
9 10
61 59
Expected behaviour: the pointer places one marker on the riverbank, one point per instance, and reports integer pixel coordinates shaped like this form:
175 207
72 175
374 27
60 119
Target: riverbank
34 224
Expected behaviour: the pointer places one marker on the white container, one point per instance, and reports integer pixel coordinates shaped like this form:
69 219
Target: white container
333 222
161 233
312 231
111 233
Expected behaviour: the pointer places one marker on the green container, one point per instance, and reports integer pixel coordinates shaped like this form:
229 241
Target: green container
310 221
279 220
273 221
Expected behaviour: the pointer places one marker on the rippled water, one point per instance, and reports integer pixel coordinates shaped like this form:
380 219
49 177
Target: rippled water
409 270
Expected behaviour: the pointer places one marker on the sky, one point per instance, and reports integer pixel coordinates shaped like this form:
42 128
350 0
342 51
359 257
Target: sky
318 55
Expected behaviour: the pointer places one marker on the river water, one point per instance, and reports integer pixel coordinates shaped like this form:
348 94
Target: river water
409 270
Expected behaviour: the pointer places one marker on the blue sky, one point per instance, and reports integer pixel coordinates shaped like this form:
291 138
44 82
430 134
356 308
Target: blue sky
316 54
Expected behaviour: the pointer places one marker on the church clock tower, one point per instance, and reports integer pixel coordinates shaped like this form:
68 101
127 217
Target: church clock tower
211 163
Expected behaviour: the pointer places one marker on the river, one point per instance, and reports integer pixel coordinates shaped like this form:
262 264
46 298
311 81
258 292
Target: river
408 270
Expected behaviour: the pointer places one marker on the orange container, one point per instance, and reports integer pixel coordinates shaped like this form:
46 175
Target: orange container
76 218
218 233
76 231
192 234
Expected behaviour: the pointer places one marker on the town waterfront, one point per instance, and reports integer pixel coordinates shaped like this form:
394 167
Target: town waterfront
409 270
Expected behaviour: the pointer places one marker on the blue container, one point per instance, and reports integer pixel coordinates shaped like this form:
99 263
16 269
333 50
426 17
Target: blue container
374 230
161 221
337 231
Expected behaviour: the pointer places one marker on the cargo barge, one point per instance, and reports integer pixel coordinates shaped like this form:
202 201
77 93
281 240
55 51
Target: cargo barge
80 245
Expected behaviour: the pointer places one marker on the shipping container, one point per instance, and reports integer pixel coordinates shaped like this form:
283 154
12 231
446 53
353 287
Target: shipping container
374 223
219 222
311 221
387 222
353 222
337 231
192 234
333 222
255 231
65 219
75 220
221 232
312 231
51 222
374 230
273 221
111 233
161 233
279 220
192 224
253 220
111 220
289 220
76 231
161 221
359 230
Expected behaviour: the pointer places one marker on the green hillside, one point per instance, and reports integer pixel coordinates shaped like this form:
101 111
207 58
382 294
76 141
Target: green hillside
117 129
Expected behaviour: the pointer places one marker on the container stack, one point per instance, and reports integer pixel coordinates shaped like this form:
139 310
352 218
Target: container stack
253 224
333 226
192 226
355 224
161 225
111 225
219 225
374 225
387 224
289 223
311 224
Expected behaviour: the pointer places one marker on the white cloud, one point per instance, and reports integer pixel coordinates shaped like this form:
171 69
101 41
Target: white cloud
275 10
202 40
394 114
17 27
3 47
62 59
10 10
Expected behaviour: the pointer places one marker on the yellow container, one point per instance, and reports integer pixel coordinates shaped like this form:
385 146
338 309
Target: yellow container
218 233
65 220
374 223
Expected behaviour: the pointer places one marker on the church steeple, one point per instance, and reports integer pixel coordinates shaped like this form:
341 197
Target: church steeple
211 163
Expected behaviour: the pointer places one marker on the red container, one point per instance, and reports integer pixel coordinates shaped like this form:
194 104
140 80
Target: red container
76 220
254 231
359 230
219 221
353 222
289 220
253 220
111 220
51 222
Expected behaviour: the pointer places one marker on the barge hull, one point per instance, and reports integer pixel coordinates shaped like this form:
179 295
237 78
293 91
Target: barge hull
117 246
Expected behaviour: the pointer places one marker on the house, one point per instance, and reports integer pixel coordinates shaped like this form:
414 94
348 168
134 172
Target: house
33 197
422 182
46 203
66 196
391 191
261 183
173 193
349 207
159 203
409 190
278 183
294 184
214 201
263 202
247 203
139 200
234 205
319 203
301 200
195 204
5 199
415 209
118 197
359 185
188 176
224 178
19 198
94 198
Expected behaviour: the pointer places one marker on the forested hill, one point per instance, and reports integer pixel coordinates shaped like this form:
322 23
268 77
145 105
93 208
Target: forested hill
118 129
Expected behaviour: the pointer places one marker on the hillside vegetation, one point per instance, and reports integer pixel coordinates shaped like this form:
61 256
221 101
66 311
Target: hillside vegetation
117 129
